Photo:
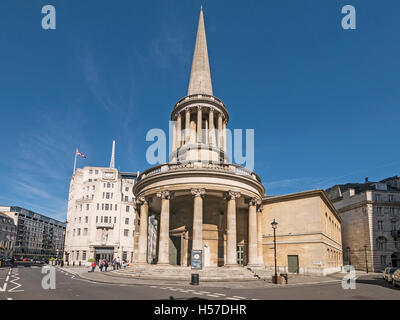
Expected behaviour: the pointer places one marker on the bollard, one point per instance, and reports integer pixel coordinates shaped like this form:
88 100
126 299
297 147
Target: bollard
79 263
73 264
195 279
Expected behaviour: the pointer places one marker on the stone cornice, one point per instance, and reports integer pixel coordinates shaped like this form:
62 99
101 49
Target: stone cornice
302 195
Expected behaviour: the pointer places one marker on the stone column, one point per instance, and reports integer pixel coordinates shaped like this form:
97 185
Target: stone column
163 254
199 125
259 235
252 233
220 138
174 139
231 243
144 218
224 136
197 243
211 127
187 126
206 131
179 131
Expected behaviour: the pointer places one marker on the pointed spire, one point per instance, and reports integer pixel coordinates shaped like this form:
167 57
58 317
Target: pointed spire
112 162
200 77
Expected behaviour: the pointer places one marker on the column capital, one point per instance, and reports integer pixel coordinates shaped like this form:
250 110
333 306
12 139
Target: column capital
252 202
260 208
167 195
232 195
200 108
198 192
142 201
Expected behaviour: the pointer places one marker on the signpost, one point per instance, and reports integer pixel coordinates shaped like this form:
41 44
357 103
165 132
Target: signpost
197 260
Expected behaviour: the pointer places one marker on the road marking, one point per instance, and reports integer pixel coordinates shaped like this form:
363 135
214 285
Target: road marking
231 298
213 295
9 298
220 294
240 298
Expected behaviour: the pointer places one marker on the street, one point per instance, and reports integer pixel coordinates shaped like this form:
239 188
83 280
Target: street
24 283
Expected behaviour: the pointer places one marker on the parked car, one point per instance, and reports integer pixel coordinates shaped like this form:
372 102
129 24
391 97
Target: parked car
396 278
388 273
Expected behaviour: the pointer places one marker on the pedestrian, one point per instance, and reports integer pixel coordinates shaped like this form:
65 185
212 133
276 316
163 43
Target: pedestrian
93 266
114 263
101 265
118 263
105 265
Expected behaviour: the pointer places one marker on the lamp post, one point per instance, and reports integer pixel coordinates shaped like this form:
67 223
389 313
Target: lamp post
274 225
366 259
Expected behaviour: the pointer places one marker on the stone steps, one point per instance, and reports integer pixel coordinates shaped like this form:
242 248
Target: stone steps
184 273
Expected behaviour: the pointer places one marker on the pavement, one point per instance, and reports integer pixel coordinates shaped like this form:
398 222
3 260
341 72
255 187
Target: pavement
114 278
25 283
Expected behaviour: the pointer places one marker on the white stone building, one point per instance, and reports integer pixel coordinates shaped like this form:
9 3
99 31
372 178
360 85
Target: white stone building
101 215
370 214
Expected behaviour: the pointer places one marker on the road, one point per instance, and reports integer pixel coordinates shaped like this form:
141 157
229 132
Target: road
25 283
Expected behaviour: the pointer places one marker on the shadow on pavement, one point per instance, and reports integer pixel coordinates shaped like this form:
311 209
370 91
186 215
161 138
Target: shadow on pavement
377 281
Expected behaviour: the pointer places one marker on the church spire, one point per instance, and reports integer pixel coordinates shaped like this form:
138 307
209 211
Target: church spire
200 77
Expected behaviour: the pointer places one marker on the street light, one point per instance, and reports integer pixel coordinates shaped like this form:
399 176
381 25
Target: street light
274 225
366 259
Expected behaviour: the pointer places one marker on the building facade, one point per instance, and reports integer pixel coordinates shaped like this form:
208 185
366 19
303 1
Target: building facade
370 215
308 235
101 215
8 235
38 236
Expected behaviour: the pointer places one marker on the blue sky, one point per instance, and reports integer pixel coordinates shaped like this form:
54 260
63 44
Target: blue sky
324 102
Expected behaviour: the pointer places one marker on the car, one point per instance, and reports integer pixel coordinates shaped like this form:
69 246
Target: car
385 273
396 278
389 274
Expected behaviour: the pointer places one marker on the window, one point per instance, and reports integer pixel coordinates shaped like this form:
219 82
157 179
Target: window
126 232
383 260
127 189
393 226
126 220
378 198
381 243
106 206
392 212
98 206
115 207
80 207
79 219
79 231
126 199
391 198
108 185
379 211
102 206
380 225
93 187
87 206
105 219
97 219
85 231
127 208
96 171
90 171
84 255
86 219
115 219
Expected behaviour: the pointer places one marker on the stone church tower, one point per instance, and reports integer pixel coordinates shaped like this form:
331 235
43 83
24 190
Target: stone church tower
201 201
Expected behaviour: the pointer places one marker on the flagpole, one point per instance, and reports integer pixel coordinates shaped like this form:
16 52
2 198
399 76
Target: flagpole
76 152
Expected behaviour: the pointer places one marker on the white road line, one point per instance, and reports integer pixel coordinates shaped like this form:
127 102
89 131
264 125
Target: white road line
240 298
220 294
231 298
213 295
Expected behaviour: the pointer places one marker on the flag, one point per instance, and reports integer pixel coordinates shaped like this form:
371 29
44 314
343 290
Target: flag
80 154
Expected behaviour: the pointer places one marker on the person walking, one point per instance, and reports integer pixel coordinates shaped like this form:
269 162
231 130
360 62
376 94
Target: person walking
105 265
101 265
93 266
118 263
114 263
